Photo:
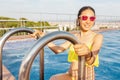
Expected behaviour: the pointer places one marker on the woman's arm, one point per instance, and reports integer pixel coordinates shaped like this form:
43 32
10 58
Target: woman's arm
57 49
97 43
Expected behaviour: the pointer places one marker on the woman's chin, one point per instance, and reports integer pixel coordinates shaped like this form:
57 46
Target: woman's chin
86 29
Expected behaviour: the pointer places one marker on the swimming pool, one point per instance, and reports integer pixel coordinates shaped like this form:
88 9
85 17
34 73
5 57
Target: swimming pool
109 69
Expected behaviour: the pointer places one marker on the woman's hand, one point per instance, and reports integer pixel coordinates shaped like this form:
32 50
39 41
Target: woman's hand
81 49
37 34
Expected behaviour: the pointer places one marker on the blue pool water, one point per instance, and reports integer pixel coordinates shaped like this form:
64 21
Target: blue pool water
109 69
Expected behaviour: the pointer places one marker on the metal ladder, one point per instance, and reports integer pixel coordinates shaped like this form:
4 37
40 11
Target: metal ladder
38 46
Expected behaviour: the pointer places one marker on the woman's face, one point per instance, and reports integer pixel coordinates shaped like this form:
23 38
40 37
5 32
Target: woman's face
87 20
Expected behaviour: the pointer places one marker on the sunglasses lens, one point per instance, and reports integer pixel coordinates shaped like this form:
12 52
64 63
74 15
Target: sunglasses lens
84 17
92 18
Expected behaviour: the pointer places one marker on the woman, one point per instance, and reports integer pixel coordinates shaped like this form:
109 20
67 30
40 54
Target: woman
89 47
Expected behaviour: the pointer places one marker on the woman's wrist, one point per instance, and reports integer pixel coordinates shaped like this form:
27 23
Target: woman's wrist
89 56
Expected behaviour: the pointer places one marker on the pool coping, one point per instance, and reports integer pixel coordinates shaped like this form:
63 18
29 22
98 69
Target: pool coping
6 74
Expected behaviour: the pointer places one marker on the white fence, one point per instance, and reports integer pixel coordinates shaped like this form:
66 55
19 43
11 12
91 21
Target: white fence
68 20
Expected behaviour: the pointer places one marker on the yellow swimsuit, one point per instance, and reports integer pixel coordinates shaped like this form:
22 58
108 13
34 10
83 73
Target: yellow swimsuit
72 56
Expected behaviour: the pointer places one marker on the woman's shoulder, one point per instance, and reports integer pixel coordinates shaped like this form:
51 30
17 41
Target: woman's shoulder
98 36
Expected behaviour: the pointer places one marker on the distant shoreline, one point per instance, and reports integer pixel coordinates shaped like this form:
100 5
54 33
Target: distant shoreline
29 36
103 30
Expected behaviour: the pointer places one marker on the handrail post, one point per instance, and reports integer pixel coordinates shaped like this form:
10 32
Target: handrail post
41 64
81 68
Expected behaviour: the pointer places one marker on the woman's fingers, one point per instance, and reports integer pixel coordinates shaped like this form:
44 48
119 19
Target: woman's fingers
81 49
33 35
76 46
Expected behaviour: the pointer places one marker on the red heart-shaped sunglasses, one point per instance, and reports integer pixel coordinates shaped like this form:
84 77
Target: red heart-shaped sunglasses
84 18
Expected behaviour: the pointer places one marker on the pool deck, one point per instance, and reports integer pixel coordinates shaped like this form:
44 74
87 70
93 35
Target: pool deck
6 74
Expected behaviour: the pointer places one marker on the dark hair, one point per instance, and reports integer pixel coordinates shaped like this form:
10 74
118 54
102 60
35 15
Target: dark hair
85 8
81 10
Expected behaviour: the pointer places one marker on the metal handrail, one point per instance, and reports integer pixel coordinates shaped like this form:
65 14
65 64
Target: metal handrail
4 39
41 42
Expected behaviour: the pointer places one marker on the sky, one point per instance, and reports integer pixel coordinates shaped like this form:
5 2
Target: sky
32 9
